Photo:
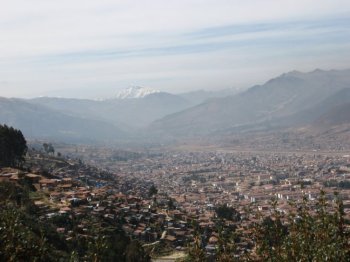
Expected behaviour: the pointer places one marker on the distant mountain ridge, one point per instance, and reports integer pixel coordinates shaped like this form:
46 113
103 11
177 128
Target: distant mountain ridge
278 98
124 113
136 108
135 92
37 121
84 120
201 96
294 101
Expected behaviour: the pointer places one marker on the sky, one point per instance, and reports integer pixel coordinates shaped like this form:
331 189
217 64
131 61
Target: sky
94 48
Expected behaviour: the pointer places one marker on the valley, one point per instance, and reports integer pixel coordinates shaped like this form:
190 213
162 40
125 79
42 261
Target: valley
173 180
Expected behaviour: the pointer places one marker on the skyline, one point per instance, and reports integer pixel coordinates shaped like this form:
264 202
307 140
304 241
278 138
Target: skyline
92 49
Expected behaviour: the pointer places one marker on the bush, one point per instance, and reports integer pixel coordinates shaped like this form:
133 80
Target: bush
312 233
228 213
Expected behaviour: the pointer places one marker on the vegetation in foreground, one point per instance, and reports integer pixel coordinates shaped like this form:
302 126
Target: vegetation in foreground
308 234
22 238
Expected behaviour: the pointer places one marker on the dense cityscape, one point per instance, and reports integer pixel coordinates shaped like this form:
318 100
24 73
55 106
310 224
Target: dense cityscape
165 198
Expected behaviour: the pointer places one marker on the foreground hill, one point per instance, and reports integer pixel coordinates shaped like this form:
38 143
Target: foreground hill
278 98
35 225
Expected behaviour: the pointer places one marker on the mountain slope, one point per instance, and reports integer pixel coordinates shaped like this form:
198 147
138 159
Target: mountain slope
280 97
338 115
310 115
38 121
125 113
330 130
200 96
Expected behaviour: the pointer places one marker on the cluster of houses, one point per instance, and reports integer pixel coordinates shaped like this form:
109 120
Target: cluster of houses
190 186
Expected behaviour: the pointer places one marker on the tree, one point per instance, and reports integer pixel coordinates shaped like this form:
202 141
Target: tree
171 204
22 238
196 252
48 148
227 248
136 253
13 146
229 213
314 233
152 191
18 241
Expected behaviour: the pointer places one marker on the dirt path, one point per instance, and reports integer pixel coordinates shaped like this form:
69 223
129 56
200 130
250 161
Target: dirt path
170 258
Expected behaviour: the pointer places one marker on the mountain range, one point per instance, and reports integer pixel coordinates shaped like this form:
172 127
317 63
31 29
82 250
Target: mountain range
318 100
40 122
120 118
271 103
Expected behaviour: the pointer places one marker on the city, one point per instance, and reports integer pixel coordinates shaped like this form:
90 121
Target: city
160 195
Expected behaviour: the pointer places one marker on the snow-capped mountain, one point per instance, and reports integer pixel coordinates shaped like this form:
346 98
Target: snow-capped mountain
135 92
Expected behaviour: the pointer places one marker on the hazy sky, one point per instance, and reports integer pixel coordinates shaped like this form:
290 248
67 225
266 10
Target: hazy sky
81 48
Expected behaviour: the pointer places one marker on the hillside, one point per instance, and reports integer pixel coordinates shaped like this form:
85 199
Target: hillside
310 115
37 121
125 113
336 116
36 225
199 96
280 97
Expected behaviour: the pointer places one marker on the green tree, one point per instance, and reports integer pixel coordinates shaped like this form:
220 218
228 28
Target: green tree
152 191
48 148
226 247
171 204
312 233
22 238
226 212
136 253
18 241
196 253
13 146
